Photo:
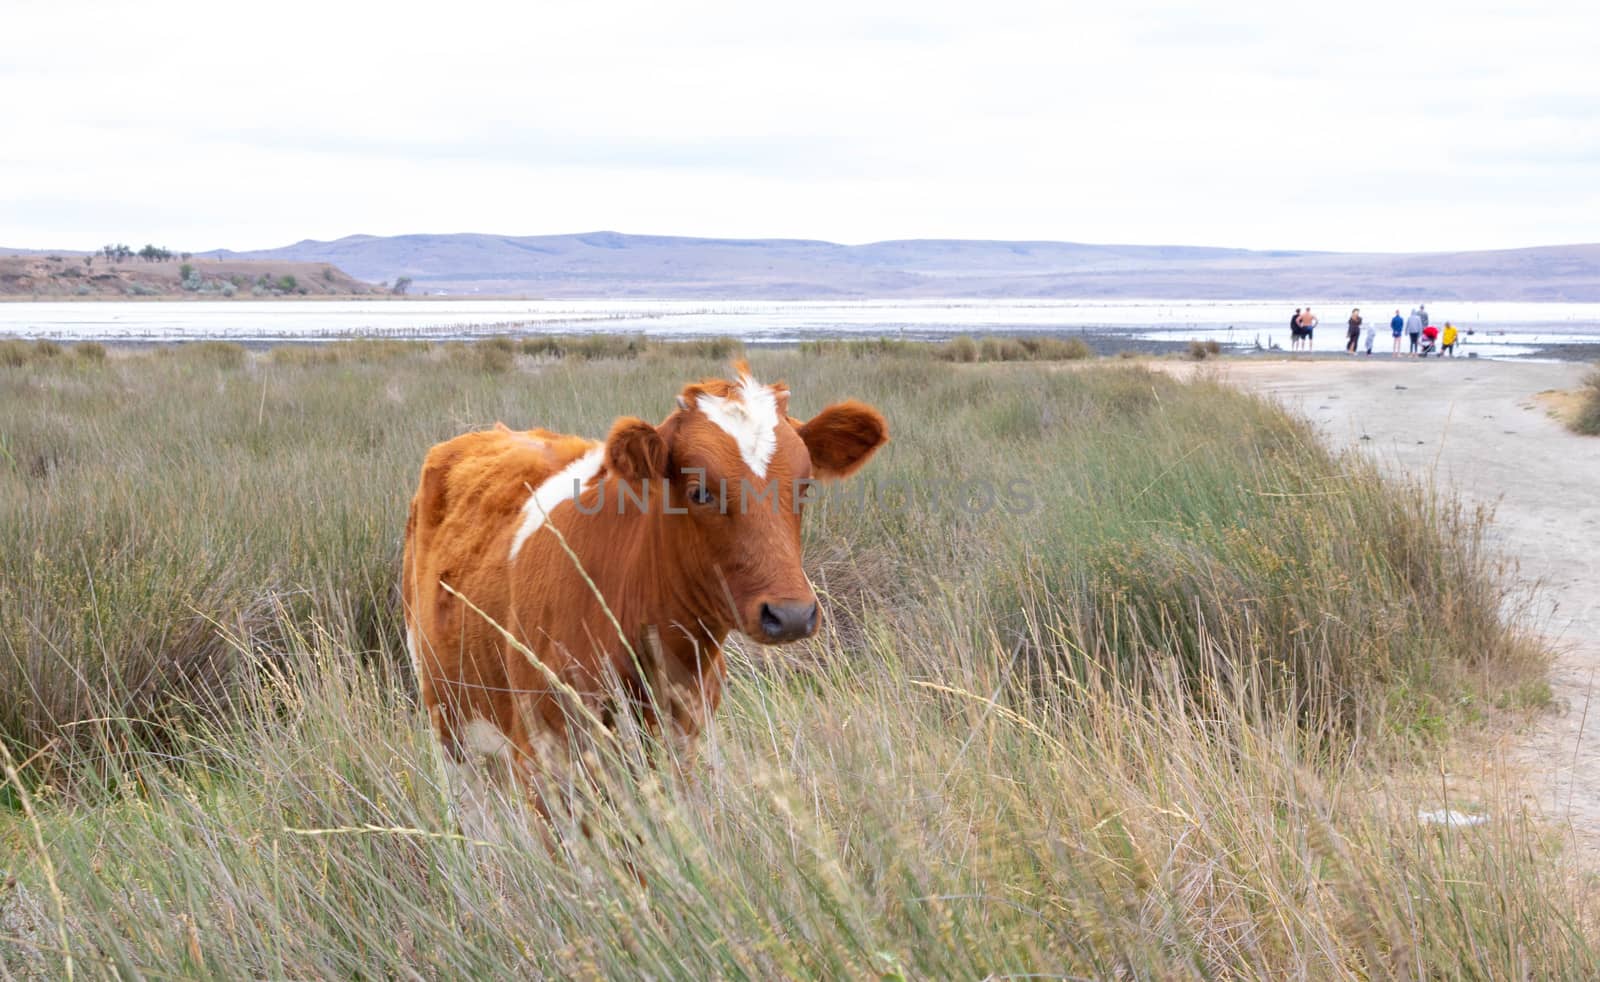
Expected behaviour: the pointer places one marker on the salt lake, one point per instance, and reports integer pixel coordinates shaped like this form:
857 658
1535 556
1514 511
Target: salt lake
1492 329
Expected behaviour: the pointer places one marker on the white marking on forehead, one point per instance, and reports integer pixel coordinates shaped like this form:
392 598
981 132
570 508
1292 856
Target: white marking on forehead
750 416
561 486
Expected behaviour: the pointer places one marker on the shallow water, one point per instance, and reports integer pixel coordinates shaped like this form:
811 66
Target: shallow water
1497 329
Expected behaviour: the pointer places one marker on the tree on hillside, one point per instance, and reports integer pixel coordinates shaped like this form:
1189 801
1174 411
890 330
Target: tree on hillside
401 285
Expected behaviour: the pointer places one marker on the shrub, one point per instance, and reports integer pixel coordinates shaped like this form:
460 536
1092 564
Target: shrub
142 290
716 349
381 349
1587 420
217 354
1201 350
1055 349
1001 349
287 283
962 349
304 354
357 351
589 347
90 351
483 357
867 348
15 353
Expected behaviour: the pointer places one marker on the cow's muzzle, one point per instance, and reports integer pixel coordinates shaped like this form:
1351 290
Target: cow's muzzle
783 622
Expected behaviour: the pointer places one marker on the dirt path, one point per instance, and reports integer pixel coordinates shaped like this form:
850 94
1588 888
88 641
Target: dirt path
1477 427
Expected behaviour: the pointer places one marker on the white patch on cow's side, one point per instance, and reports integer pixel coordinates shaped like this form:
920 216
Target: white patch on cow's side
750 416
563 486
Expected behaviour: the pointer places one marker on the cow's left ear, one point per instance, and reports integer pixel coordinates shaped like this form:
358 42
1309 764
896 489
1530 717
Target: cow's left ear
843 437
635 450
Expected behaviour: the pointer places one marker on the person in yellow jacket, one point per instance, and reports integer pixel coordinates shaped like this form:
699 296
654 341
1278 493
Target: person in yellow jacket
1447 341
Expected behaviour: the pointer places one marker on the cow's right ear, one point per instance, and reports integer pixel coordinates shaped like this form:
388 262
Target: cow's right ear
635 450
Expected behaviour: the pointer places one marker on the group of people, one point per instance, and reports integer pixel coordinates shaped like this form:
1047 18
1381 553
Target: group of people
1426 339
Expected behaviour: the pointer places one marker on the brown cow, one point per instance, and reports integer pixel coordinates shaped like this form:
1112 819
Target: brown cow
686 530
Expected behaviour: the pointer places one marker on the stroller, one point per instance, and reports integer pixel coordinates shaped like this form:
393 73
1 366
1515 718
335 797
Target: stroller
1430 340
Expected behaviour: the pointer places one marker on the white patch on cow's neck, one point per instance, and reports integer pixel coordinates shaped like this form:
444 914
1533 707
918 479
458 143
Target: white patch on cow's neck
562 486
750 416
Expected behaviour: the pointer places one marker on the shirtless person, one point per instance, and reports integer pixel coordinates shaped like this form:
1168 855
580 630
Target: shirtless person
1308 324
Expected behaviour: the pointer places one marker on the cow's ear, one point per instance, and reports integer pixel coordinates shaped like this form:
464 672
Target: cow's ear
635 450
843 437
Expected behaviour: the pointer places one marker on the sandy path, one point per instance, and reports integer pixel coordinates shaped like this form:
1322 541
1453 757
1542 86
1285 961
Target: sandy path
1476 426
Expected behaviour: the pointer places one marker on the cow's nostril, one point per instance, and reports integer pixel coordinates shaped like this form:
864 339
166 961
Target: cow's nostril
771 623
786 622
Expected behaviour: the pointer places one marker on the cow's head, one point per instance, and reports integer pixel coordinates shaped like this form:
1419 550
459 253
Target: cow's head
737 468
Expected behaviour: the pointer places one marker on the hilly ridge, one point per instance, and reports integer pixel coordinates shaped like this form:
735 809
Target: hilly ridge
612 264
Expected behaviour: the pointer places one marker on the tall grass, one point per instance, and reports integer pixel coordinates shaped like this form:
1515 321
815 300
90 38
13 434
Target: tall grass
1112 665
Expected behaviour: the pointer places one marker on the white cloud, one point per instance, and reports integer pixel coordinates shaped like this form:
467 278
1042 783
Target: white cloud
1359 125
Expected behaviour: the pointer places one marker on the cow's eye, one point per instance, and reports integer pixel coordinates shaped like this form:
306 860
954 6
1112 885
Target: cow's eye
701 495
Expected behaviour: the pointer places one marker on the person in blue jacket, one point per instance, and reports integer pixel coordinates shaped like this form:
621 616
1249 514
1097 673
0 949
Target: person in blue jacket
1397 327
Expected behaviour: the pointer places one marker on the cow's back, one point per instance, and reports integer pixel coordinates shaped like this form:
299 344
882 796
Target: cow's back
465 513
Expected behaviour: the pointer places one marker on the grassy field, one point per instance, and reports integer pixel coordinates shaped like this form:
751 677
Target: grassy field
1122 677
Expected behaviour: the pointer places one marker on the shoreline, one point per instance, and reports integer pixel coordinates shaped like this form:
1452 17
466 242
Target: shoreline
1104 344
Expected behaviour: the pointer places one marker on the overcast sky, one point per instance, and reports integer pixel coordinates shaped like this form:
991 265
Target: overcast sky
1368 126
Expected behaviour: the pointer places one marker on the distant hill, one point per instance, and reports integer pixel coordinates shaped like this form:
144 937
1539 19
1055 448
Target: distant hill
38 274
611 264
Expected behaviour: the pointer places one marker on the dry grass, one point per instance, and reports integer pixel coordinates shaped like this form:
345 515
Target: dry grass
1120 713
